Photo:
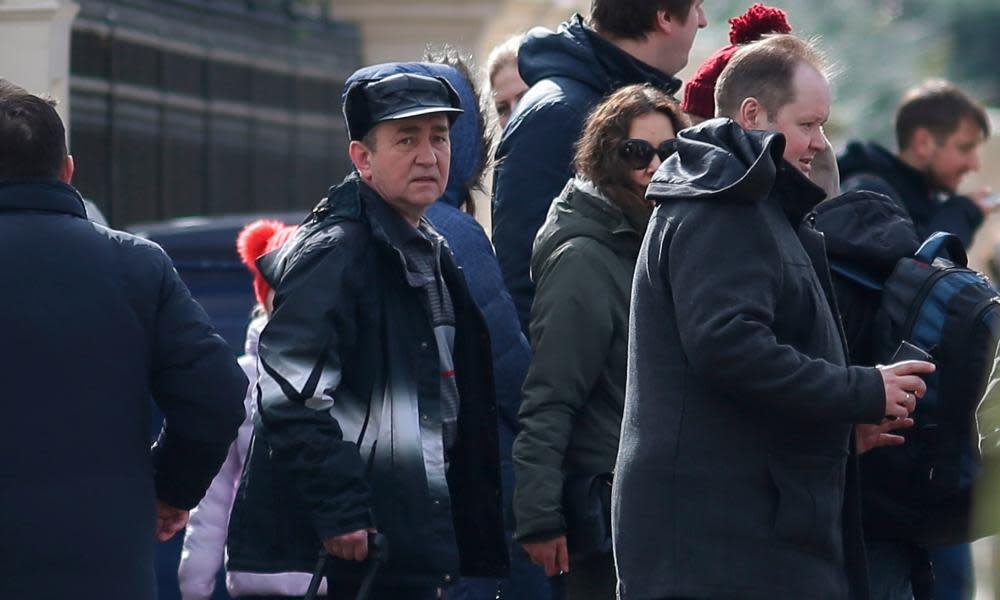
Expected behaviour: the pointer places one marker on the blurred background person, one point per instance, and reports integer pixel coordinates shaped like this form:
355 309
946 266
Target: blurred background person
506 85
939 130
582 264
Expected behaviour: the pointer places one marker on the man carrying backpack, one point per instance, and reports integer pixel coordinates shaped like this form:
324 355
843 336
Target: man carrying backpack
889 289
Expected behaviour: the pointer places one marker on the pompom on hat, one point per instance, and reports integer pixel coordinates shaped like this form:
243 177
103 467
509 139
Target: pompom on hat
257 239
758 21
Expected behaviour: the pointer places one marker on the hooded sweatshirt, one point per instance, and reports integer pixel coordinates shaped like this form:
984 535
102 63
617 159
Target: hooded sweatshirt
868 166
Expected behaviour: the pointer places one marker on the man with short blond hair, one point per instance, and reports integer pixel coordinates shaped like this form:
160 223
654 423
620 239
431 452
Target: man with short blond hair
737 470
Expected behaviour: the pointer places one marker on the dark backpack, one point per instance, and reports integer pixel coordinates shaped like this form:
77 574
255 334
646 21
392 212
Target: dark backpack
933 301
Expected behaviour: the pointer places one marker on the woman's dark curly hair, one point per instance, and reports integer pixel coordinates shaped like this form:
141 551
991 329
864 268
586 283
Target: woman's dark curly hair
597 152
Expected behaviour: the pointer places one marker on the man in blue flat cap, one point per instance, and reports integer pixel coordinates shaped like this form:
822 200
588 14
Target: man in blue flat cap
376 399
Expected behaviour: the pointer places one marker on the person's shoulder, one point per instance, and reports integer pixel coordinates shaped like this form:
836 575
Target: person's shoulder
551 102
343 241
133 248
576 254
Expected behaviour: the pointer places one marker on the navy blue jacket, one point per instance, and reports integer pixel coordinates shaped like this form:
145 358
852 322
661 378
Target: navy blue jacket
569 72
873 168
95 322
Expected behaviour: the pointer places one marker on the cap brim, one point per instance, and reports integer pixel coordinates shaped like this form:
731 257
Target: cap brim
419 111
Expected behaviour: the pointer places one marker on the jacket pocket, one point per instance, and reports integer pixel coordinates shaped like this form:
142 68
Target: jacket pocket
810 501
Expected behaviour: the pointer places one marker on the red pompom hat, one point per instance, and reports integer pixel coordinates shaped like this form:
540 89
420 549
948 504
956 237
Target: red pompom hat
257 239
755 23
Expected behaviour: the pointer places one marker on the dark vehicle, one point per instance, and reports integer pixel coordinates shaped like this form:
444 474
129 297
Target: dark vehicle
203 250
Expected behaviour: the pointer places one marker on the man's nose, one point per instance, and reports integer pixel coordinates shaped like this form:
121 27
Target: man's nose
426 154
818 141
974 162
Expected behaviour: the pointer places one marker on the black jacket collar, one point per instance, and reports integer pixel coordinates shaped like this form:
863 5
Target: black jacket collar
41 195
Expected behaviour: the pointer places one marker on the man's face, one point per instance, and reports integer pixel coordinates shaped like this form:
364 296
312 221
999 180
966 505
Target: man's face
950 159
802 119
409 163
677 45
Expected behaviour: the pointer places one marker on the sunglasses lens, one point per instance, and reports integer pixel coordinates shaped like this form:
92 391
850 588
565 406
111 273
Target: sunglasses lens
665 149
637 153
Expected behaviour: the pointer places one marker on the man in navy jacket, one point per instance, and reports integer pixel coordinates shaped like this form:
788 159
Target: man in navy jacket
94 322
569 71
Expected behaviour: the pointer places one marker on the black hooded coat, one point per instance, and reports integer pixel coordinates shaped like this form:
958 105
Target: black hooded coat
736 473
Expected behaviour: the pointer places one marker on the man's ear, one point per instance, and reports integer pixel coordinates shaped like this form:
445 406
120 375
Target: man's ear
923 142
66 173
751 115
361 156
664 22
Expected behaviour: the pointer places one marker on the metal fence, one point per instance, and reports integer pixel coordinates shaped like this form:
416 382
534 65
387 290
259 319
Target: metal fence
193 107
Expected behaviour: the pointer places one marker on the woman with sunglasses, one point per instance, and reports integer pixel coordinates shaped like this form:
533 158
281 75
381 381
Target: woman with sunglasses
572 400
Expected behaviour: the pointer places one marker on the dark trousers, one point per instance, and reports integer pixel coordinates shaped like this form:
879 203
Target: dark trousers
591 579
387 593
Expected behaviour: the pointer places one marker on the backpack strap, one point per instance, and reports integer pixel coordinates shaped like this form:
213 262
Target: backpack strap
856 275
942 244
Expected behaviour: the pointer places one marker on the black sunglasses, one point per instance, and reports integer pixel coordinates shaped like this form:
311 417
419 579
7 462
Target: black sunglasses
638 153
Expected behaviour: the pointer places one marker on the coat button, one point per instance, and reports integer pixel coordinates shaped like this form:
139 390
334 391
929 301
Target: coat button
423 345
447 578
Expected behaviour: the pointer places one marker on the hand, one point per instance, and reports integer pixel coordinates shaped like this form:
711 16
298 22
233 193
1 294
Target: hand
349 546
903 386
868 436
981 198
550 554
169 520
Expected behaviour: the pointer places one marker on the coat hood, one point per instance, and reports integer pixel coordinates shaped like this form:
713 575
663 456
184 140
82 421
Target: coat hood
466 132
582 211
866 230
720 161
576 52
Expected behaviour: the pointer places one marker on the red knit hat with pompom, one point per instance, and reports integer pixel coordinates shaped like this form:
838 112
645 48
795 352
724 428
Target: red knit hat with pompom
257 239
755 23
